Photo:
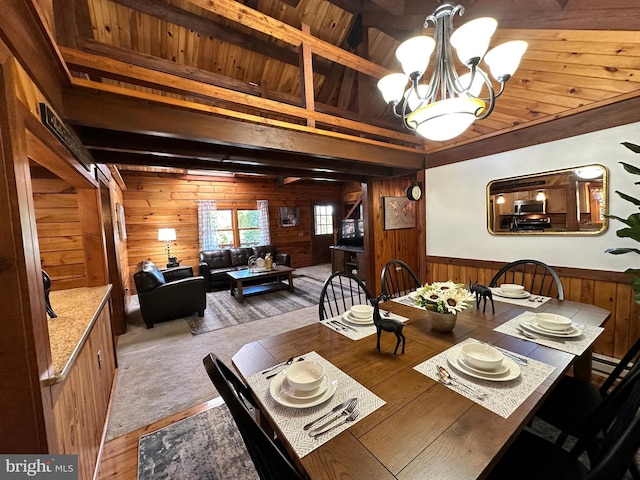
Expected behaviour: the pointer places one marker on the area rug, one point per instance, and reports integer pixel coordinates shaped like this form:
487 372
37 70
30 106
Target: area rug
223 310
206 446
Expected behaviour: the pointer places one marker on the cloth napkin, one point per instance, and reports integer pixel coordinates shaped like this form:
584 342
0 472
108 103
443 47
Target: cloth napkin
503 397
356 332
575 345
291 420
524 302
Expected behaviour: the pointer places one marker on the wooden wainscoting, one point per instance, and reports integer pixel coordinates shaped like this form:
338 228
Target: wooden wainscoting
608 290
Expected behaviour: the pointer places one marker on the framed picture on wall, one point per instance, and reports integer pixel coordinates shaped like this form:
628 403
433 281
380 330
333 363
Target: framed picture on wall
399 212
289 216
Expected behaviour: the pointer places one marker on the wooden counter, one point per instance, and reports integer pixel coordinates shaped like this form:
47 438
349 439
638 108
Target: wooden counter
77 310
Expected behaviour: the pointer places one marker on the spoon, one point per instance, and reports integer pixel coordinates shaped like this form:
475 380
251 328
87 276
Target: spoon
288 362
353 416
447 379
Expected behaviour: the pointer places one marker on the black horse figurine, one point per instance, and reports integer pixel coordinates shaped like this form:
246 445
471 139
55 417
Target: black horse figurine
482 292
387 324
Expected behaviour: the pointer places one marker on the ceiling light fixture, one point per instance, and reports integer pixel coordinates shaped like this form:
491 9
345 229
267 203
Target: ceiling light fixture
540 196
449 103
500 199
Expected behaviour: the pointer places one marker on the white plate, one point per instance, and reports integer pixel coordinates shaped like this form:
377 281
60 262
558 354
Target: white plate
275 389
360 321
532 326
500 293
513 370
300 395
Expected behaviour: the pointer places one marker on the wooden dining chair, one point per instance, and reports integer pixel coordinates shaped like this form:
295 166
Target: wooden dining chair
271 462
609 443
574 400
340 292
398 279
537 277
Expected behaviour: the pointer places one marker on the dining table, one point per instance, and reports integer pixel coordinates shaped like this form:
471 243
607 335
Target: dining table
415 426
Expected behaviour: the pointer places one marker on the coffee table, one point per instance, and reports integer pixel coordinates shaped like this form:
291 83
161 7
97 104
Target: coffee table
262 281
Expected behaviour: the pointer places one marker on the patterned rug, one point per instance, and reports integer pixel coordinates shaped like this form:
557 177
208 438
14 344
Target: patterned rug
223 310
206 446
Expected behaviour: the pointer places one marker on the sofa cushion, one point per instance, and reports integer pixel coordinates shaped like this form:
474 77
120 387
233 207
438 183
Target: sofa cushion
240 256
216 258
147 276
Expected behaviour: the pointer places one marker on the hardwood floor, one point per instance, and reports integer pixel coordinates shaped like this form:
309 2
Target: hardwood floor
120 455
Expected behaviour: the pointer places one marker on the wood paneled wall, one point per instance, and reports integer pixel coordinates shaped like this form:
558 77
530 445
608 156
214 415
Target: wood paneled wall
156 200
59 230
608 290
385 245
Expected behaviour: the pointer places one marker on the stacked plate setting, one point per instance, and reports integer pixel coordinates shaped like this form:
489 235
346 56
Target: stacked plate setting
510 290
551 325
359 315
482 361
303 384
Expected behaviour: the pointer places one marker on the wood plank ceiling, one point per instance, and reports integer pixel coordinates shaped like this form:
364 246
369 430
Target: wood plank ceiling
274 63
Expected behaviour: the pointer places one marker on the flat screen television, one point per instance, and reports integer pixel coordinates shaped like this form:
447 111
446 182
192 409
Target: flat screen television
351 233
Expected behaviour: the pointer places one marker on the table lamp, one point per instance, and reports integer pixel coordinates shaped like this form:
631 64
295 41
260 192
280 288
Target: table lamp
168 235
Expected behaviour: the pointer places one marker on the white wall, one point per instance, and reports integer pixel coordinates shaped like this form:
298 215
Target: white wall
456 203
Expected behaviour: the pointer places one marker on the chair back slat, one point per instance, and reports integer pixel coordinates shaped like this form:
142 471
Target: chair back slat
537 277
398 279
339 293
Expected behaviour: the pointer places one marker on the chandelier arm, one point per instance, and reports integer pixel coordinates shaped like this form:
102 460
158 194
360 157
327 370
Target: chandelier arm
492 101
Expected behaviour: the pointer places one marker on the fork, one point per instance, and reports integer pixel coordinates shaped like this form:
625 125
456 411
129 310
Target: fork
346 412
352 417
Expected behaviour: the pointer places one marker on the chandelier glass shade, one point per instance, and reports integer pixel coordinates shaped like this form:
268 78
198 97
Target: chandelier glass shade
446 106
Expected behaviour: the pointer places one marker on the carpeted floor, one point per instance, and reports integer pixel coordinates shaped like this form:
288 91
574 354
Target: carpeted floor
160 369
206 446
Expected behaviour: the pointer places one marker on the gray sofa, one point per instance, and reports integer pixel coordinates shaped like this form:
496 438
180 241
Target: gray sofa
214 264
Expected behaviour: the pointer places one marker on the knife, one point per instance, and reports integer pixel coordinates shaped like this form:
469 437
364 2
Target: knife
335 409
343 325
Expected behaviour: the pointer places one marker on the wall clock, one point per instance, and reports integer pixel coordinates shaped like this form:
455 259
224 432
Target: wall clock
414 192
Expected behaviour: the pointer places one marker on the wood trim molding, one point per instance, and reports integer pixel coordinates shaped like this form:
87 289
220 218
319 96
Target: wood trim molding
600 275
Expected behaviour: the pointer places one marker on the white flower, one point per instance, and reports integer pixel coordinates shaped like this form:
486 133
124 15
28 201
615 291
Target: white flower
444 297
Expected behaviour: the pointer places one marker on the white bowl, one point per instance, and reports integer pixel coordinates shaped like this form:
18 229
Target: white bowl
554 322
481 356
511 288
362 311
305 375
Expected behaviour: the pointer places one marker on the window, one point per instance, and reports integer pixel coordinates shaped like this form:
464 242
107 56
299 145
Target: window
249 227
237 228
323 219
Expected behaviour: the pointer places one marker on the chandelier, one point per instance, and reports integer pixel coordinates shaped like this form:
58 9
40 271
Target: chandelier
449 103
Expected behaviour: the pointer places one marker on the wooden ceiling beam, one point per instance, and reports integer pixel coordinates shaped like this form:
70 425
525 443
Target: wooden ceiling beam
118 141
142 76
166 66
276 29
121 158
128 115
177 16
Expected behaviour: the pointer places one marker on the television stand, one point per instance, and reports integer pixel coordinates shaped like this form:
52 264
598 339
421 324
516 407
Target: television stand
348 260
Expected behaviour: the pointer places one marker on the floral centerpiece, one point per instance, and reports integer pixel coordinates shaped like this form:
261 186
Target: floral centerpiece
444 297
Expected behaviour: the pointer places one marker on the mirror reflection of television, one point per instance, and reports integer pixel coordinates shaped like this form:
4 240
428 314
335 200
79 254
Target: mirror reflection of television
351 232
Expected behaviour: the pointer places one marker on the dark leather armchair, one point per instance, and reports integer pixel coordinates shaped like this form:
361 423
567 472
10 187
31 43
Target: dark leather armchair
168 294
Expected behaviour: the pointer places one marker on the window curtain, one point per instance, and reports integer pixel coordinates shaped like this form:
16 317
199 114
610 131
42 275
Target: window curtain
265 235
207 227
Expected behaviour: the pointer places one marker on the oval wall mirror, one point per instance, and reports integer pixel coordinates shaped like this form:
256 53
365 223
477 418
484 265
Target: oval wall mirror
562 202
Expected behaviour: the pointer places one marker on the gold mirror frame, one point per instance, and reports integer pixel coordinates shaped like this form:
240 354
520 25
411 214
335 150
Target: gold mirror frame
559 202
